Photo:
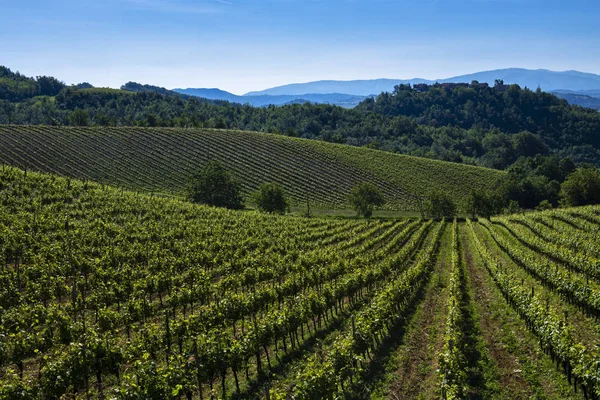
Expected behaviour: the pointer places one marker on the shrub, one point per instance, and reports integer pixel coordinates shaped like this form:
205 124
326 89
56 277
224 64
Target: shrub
544 205
271 197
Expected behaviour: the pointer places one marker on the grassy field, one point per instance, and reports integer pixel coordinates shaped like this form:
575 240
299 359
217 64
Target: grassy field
162 159
108 293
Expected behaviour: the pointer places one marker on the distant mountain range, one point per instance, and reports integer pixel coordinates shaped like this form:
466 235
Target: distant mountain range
590 93
580 99
574 86
357 88
547 80
344 100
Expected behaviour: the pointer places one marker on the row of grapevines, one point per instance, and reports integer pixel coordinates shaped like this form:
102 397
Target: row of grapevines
584 263
580 242
452 359
579 362
325 374
573 287
221 350
99 284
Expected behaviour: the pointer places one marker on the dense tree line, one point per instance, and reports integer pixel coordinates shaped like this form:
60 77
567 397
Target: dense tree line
17 87
488 126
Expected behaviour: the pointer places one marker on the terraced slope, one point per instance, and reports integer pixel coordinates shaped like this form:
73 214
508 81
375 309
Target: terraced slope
162 159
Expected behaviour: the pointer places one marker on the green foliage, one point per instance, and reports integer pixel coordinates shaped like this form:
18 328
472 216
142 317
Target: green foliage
513 207
15 87
526 144
533 180
80 117
491 116
214 185
440 205
162 160
581 187
453 363
49 86
550 325
201 268
271 197
154 300
544 205
484 204
485 126
364 198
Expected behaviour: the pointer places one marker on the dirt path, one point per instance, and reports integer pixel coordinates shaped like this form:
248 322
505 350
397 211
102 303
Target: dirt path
411 372
522 370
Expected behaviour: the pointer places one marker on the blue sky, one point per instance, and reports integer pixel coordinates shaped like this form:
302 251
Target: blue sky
244 45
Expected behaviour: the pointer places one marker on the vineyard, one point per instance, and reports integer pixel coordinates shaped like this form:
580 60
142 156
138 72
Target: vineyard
163 159
108 293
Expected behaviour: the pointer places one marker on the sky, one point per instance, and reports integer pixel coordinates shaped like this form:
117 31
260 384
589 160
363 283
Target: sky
246 45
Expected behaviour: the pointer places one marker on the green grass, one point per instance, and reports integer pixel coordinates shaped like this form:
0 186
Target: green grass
162 159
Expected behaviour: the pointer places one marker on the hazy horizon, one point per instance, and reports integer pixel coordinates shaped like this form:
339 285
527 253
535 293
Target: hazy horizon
242 46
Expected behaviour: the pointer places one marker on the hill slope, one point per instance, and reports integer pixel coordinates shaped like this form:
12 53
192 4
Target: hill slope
162 159
106 292
450 123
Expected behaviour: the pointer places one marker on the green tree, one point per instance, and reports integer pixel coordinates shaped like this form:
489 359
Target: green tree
49 86
214 185
581 187
439 205
80 117
364 198
484 203
529 145
270 197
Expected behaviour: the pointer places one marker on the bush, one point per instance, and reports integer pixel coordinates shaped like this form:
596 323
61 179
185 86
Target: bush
513 207
364 198
581 187
271 197
439 205
214 185
544 205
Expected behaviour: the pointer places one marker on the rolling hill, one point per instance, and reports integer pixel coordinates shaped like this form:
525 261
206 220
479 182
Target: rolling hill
162 159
